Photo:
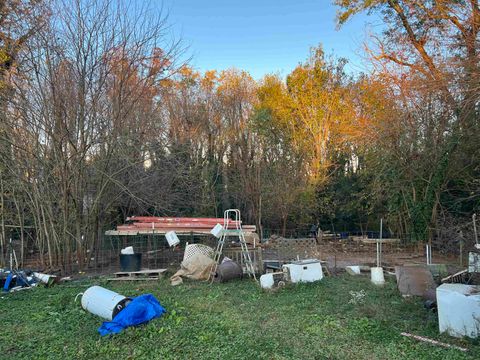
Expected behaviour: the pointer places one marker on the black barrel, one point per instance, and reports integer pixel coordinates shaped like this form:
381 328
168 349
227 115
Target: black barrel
130 262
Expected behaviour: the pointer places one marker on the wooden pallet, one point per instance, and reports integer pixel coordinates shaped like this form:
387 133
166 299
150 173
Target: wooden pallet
458 277
142 275
324 265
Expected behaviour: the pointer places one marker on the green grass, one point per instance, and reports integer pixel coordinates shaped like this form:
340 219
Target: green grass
236 320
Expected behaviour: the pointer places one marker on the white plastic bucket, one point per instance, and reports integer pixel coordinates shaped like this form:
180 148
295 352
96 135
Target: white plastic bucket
44 278
127 251
103 302
377 276
172 238
267 281
217 231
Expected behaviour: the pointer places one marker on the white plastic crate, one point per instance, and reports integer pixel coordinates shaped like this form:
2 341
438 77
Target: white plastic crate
217 231
172 238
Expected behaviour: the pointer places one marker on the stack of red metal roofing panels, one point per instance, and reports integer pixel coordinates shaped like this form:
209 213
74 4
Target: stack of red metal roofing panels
182 224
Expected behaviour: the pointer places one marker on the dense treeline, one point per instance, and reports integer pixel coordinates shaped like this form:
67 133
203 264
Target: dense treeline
100 120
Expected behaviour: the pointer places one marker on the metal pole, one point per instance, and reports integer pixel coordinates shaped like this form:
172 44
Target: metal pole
380 244
461 252
428 251
11 255
474 218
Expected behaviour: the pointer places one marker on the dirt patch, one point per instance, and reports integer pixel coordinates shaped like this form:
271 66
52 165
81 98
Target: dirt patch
342 253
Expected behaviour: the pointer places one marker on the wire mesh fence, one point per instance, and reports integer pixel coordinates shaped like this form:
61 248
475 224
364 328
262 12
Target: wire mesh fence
105 256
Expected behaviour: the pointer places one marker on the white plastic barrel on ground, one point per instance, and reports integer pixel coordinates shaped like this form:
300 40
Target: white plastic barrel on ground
102 302
377 276
172 238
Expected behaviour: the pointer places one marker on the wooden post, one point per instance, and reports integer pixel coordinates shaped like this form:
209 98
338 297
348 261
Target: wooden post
461 253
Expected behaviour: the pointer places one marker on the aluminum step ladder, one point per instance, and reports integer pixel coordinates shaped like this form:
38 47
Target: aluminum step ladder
233 216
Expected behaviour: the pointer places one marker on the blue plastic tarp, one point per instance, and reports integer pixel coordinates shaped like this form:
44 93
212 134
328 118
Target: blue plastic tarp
142 309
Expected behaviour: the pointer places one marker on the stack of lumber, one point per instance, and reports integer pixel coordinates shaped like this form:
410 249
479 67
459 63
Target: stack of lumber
161 225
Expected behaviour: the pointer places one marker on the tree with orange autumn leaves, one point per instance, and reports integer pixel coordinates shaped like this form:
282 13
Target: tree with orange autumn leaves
428 55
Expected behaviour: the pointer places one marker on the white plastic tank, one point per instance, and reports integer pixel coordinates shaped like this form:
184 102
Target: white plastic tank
172 238
377 276
103 302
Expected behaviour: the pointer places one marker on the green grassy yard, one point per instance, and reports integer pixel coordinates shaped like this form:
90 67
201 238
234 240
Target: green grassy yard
228 321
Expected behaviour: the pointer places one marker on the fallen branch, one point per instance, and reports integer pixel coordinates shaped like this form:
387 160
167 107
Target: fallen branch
433 342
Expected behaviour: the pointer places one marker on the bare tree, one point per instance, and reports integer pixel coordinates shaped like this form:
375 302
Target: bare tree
82 113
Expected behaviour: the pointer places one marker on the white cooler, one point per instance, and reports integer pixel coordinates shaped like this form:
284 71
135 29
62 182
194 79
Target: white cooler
303 271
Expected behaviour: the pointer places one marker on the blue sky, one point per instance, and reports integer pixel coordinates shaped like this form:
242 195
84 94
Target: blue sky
263 36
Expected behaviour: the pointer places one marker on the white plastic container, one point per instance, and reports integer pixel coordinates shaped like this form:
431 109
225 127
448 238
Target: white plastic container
103 302
266 281
127 251
377 275
303 271
172 238
353 269
459 309
473 262
217 231
272 280
44 278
